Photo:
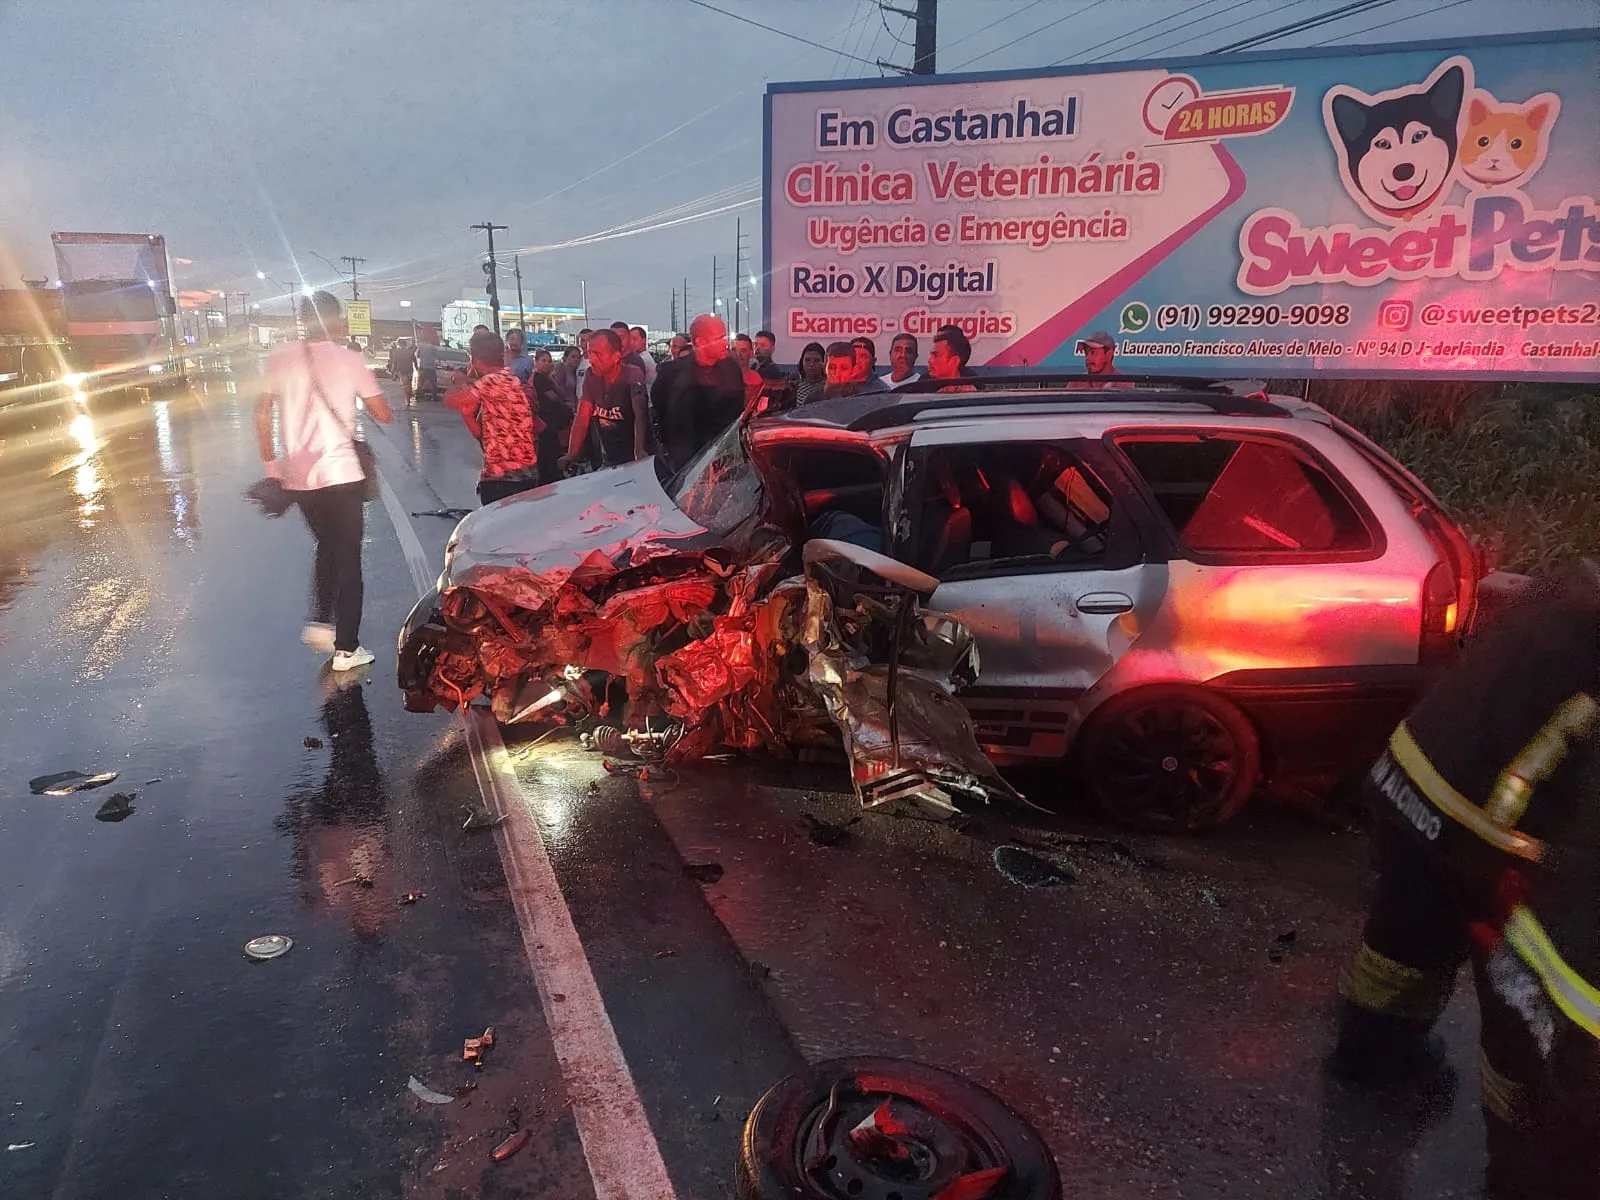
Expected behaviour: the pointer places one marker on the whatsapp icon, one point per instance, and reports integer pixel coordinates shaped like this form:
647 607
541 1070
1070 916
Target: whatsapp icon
1135 317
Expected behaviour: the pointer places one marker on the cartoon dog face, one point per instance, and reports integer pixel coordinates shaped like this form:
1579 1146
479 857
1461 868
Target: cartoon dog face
1506 143
1397 150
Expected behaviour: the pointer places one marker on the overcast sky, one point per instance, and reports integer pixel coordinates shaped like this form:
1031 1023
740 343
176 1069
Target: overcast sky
258 134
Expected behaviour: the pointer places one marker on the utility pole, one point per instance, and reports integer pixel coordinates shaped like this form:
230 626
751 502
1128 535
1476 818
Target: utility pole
355 291
926 17
714 285
741 308
688 313
522 317
489 227
672 324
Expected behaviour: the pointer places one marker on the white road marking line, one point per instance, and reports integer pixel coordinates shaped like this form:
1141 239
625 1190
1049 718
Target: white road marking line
624 1159
618 1144
410 544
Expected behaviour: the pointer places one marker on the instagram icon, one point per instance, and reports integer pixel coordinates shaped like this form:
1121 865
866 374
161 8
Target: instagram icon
1394 314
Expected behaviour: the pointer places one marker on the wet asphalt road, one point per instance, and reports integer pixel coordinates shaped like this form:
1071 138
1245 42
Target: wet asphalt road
1139 1016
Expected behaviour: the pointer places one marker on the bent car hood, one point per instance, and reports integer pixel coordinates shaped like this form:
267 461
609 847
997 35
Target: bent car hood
558 526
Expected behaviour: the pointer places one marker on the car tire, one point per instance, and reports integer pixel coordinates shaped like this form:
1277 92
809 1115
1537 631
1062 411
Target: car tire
956 1129
1168 758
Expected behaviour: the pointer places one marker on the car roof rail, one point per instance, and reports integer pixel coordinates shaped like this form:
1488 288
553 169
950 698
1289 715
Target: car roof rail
1026 389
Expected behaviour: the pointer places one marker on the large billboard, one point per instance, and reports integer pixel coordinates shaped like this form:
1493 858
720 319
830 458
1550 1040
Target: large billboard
1412 210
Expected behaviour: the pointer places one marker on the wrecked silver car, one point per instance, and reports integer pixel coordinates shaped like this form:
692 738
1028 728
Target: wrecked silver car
691 611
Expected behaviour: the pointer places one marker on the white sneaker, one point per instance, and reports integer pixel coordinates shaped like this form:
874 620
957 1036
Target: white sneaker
349 660
318 636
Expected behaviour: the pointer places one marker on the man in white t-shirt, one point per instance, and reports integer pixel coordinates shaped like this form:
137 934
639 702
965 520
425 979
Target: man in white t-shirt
313 386
902 362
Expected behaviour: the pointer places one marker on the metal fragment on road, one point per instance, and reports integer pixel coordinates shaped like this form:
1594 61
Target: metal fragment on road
65 783
272 945
312 743
481 818
474 1048
15 1146
118 807
413 897
426 1094
511 1145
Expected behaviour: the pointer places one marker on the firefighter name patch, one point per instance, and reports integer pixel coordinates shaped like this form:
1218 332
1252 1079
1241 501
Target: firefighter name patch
1391 780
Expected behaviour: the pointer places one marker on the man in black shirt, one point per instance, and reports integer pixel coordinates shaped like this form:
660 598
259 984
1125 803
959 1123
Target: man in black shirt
613 398
698 396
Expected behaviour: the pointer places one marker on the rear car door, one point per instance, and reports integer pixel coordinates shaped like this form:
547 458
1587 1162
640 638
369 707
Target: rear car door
1037 555
1298 585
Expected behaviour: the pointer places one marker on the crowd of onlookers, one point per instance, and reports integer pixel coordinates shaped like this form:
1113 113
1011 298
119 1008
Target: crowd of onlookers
609 402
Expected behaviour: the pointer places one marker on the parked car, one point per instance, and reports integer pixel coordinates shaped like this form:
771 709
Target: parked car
1179 590
431 383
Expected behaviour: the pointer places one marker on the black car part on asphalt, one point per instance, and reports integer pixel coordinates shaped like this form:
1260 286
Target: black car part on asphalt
889 1129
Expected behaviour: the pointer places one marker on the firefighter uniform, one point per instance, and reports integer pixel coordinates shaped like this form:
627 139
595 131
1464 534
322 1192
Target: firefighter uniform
1489 852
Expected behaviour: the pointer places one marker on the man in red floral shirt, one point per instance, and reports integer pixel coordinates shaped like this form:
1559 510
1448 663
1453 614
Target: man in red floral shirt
497 410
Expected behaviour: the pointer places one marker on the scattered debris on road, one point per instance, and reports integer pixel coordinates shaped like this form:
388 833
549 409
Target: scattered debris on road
706 872
511 1145
312 743
479 817
13 1147
1117 851
474 1048
426 1094
65 783
364 881
118 807
413 897
1027 869
271 945
1281 945
826 833
449 514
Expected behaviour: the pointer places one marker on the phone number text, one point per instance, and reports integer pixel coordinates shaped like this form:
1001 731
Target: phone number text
1229 315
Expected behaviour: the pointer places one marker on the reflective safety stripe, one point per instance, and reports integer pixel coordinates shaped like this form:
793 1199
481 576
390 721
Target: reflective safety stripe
1539 759
1502 1096
1572 993
1379 984
1453 804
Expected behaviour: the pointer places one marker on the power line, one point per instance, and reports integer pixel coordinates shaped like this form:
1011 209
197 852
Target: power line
1237 23
793 37
844 36
1392 21
892 34
984 28
1150 37
1294 27
1120 36
1059 20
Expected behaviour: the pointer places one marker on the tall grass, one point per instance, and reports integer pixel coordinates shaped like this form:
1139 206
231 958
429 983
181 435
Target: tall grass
1518 464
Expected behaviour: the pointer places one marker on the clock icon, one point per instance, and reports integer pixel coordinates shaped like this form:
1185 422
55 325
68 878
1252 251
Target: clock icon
1165 99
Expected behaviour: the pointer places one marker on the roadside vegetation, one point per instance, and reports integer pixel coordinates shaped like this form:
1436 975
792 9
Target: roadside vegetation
1518 464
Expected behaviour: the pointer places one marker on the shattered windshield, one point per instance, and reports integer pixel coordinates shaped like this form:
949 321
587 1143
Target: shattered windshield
719 488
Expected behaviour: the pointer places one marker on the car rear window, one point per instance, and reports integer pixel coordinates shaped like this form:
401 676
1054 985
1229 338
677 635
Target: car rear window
1233 495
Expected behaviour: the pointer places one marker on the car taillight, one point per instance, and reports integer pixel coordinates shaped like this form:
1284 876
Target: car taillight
1441 615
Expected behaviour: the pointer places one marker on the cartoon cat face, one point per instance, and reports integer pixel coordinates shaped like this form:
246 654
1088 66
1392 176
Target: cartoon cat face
1505 143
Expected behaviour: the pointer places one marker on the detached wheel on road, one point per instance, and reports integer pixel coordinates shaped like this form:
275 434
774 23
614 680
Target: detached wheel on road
1169 759
889 1129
